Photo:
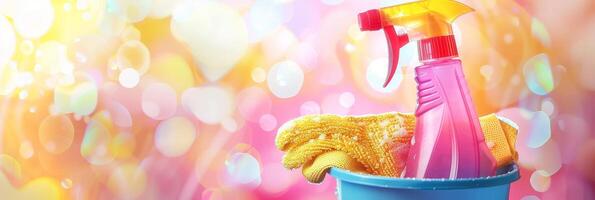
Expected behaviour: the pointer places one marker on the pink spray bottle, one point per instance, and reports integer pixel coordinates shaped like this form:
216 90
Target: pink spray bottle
448 140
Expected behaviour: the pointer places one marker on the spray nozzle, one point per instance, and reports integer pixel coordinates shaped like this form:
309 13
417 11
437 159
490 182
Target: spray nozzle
426 20
371 21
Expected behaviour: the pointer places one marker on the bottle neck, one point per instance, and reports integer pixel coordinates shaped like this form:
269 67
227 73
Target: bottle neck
437 48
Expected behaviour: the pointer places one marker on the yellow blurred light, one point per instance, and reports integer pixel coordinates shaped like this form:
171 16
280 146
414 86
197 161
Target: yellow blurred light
174 71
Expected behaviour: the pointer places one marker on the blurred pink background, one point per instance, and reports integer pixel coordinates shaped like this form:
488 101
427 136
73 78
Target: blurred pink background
177 99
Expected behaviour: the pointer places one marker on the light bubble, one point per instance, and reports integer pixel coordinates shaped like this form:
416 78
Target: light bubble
159 101
133 54
268 122
33 21
265 16
538 74
547 106
66 183
56 133
539 31
350 48
540 130
80 99
10 166
243 169
8 41
346 99
216 46
129 78
84 99
310 108
173 70
540 181
285 79
253 102
127 181
209 104
133 10
259 75
26 150
96 142
175 136
376 75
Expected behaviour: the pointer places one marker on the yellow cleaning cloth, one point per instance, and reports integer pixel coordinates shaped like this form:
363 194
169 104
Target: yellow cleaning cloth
363 143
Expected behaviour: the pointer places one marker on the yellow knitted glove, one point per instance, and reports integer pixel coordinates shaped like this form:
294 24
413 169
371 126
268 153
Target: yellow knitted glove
500 136
364 143
315 169
366 139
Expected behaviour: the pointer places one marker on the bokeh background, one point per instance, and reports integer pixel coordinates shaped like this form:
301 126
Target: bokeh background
176 99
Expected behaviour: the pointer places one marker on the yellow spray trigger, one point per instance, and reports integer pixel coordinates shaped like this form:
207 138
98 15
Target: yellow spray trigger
425 19
421 20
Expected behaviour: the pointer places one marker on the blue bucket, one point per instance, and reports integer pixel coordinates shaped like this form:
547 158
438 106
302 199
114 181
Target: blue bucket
361 186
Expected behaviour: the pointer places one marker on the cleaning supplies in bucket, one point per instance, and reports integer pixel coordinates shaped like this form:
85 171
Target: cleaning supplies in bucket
443 151
316 143
448 142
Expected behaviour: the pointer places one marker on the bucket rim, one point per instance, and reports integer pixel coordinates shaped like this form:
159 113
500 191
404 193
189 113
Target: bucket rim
507 176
